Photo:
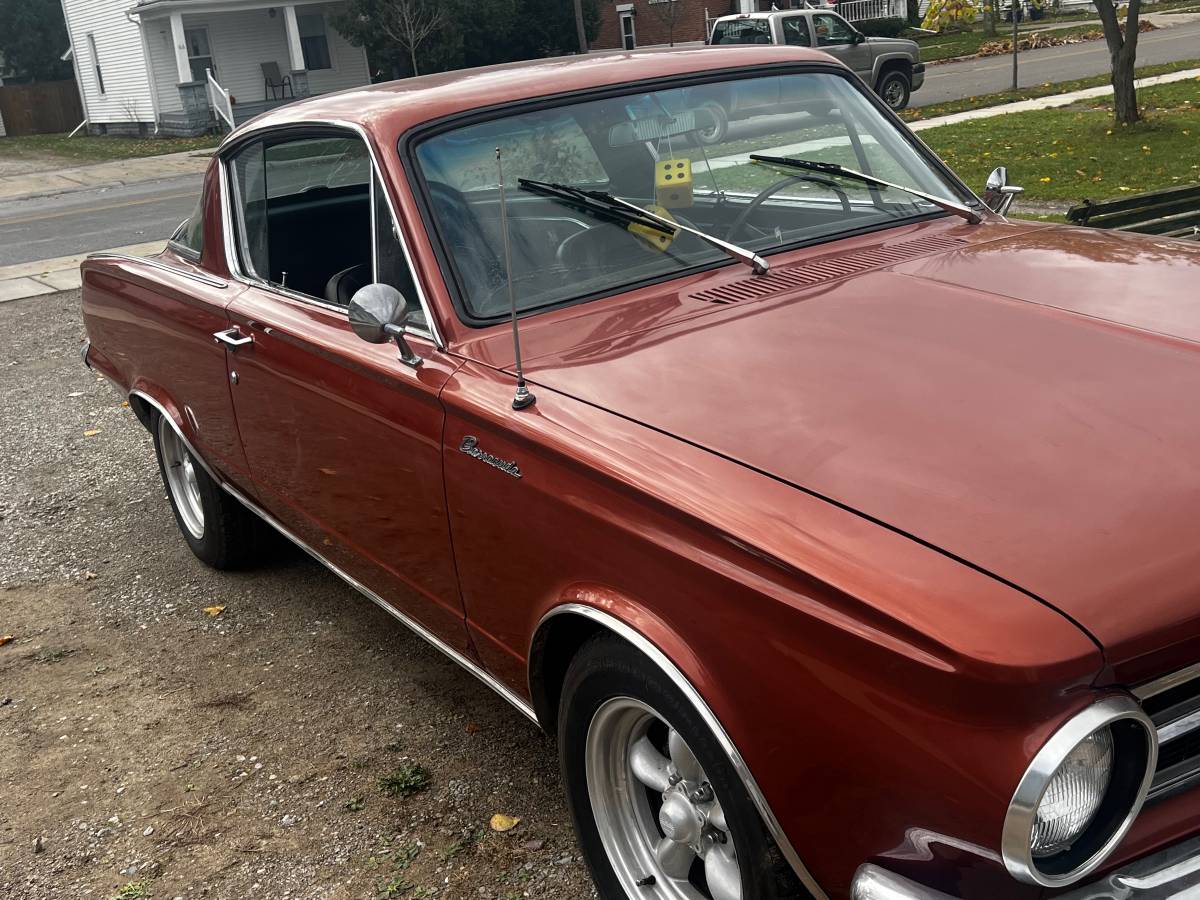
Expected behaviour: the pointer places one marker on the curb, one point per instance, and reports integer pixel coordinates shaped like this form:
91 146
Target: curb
48 276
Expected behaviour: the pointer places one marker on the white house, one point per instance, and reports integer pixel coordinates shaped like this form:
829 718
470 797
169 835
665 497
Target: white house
144 67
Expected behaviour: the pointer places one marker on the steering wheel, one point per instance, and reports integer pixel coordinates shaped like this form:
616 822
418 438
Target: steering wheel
770 191
578 249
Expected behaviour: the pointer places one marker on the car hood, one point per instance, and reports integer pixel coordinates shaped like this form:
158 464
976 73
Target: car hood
1030 405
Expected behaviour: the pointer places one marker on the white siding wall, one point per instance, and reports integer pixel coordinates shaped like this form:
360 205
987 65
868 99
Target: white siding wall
162 64
241 41
127 85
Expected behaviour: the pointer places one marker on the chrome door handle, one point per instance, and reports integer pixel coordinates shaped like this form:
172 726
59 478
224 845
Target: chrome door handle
232 338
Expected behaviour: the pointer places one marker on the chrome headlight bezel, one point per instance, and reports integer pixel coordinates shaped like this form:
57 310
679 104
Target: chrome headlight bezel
1135 756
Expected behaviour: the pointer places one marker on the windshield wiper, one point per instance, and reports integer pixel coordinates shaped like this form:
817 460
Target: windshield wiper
623 212
786 162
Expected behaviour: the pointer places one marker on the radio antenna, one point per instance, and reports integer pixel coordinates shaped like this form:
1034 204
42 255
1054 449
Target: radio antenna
523 397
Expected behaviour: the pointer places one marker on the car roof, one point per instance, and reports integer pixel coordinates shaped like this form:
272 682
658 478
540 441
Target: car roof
772 14
389 109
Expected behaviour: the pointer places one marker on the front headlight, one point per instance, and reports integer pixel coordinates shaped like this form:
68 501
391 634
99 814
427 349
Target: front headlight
1080 794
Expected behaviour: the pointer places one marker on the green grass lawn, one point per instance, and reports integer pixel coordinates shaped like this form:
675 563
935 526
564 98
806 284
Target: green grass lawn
86 148
1077 151
1040 90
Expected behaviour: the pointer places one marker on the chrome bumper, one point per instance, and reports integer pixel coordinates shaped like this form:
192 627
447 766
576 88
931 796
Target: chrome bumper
1170 873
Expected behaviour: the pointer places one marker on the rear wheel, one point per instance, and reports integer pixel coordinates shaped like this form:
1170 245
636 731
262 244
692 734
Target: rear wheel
718 127
659 810
218 529
894 89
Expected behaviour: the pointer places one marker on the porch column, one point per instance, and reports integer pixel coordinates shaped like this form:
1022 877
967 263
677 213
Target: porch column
182 67
295 49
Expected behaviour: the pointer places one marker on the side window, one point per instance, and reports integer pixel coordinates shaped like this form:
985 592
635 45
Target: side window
795 31
188 238
314 41
312 217
831 30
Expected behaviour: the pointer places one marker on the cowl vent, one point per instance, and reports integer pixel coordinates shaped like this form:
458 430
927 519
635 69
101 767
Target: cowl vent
824 268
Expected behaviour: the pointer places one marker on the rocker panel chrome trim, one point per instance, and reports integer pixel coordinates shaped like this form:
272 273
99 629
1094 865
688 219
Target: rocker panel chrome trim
427 636
663 662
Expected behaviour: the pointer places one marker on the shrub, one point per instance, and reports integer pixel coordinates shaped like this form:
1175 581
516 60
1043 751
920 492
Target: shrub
881 27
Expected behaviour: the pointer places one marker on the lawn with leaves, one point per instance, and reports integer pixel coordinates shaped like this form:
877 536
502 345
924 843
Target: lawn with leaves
967 43
85 148
1077 151
1040 90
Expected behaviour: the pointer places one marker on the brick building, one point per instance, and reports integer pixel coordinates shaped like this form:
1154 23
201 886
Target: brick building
647 23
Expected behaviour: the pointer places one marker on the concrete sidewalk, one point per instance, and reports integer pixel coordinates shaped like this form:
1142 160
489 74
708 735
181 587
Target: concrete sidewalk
48 276
101 175
1051 102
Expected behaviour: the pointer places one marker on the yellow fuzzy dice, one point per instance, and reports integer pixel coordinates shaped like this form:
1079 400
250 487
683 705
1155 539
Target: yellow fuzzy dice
673 183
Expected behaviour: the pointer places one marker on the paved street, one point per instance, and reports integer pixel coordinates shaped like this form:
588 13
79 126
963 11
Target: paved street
84 221
952 81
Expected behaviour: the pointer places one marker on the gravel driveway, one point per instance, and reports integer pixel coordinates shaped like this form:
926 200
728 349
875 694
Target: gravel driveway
297 744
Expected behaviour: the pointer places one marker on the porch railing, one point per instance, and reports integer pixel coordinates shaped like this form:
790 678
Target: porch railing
220 100
861 10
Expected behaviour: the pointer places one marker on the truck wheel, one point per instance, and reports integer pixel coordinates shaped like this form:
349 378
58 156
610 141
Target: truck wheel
658 808
894 88
220 531
720 127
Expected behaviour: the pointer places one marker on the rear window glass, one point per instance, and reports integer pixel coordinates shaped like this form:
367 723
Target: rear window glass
742 31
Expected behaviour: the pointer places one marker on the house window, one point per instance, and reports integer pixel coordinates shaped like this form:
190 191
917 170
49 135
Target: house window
628 34
199 53
314 41
91 39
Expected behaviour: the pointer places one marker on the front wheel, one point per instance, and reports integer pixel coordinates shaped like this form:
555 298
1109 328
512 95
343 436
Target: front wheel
657 805
217 528
895 90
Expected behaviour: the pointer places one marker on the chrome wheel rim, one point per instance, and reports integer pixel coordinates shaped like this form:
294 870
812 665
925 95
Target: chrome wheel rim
181 479
893 93
660 821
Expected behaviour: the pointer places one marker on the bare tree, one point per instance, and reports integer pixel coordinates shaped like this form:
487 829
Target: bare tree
580 30
667 12
1122 50
410 23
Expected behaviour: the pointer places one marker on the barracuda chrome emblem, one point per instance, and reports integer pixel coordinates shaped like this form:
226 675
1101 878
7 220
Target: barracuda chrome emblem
470 446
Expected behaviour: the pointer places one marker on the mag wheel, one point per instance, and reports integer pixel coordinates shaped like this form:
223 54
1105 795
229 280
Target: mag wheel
217 528
658 807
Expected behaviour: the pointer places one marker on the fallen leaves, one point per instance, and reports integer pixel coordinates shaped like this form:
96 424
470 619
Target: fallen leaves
5 639
214 611
91 432
501 823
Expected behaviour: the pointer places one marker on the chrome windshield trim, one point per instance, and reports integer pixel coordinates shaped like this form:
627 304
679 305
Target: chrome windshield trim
668 668
227 212
159 264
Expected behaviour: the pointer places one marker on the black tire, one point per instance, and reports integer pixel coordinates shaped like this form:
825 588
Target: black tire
720 128
231 534
607 667
894 89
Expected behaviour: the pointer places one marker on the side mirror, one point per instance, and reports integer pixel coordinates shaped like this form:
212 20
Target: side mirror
998 194
858 38
378 312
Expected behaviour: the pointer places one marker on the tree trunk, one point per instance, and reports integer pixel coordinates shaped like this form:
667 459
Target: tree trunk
1125 108
989 19
412 54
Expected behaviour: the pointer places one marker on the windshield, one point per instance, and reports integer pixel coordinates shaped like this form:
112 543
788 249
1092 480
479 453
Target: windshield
683 153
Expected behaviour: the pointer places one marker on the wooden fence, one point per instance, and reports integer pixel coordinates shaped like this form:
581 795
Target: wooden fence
45 107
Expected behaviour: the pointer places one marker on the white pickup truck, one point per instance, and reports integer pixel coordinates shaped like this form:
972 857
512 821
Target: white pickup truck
892 67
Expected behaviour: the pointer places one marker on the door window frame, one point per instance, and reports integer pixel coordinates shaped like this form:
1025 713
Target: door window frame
625 18
231 219
212 60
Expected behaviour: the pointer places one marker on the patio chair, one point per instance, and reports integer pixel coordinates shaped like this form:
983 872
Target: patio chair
279 85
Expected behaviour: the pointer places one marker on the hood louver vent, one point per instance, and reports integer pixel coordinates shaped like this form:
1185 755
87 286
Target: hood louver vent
824 268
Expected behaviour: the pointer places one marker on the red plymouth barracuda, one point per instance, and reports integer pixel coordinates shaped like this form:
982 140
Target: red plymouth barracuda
843 532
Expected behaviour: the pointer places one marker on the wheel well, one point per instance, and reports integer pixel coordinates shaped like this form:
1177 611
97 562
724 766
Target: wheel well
554 646
143 410
904 67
